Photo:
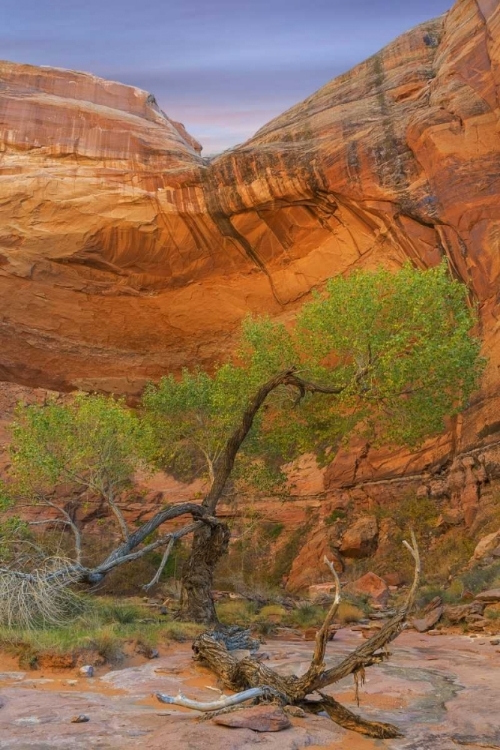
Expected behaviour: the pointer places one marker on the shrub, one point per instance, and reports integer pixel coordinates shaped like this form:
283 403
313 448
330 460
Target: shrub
477 579
335 515
348 612
238 612
308 616
273 612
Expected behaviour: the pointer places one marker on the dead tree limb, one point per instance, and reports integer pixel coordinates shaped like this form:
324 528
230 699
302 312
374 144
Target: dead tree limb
250 673
223 702
348 719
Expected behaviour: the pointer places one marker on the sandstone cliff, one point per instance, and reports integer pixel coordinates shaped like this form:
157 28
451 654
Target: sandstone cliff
124 254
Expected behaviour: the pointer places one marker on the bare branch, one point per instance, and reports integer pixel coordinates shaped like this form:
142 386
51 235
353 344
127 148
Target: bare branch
108 496
224 702
161 567
114 560
367 653
349 720
74 528
317 662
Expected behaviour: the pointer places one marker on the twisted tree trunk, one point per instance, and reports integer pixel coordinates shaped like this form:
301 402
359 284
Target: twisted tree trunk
209 545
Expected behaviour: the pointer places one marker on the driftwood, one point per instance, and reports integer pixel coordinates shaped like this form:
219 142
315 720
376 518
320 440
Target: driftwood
245 674
225 701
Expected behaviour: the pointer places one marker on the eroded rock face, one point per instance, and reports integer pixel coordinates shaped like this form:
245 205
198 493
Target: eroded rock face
123 254
360 539
372 586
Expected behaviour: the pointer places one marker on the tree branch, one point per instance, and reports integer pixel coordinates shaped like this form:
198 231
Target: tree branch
224 465
68 520
109 498
221 703
161 567
318 658
366 654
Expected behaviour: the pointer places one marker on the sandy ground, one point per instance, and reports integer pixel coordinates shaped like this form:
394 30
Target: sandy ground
443 691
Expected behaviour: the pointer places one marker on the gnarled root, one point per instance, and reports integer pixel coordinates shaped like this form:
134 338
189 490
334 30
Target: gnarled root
349 720
249 674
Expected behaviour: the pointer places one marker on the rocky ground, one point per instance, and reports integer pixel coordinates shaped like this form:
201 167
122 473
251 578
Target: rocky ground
442 690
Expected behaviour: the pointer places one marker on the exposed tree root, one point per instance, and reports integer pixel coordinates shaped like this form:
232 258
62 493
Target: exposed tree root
247 674
349 720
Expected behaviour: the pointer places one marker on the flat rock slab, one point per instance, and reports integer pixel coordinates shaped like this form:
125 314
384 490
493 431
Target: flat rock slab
257 718
493 595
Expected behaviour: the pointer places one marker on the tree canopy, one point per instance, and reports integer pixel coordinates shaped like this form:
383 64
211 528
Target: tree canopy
394 349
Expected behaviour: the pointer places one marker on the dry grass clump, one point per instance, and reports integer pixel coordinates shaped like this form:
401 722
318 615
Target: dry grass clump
42 597
348 612
236 612
273 612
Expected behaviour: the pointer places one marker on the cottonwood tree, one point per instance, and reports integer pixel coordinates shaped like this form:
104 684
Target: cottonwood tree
386 355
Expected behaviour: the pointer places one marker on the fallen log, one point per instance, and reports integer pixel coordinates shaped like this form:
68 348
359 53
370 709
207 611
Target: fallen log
249 674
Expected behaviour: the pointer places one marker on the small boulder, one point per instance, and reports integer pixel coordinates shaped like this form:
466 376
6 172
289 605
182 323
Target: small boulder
258 718
423 624
448 518
487 546
395 579
489 597
372 586
86 671
361 539
80 719
457 614
320 590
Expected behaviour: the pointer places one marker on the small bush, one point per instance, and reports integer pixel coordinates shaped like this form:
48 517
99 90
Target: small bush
349 613
492 614
479 579
272 611
182 631
335 515
238 612
273 530
121 613
265 627
307 616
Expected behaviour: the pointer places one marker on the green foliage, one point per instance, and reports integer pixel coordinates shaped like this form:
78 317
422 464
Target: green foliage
336 515
272 530
396 345
13 531
396 348
478 579
105 628
238 612
93 442
308 616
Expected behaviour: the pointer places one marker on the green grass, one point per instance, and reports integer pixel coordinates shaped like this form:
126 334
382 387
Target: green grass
104 629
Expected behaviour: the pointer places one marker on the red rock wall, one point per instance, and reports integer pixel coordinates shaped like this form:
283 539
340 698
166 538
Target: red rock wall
124 254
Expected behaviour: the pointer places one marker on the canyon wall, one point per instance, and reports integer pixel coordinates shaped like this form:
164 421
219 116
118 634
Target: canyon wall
124 254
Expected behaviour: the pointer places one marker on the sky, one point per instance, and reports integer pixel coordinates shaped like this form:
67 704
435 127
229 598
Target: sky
222 67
